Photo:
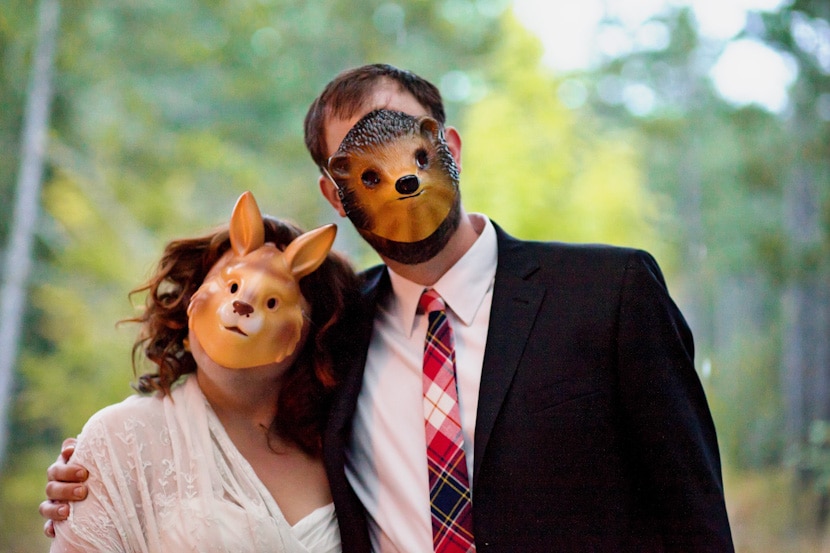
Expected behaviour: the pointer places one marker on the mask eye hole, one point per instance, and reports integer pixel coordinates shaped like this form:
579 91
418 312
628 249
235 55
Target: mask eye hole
272 303
233 288
370 178
422 159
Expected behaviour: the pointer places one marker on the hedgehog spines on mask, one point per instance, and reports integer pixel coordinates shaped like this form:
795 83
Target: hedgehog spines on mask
398 183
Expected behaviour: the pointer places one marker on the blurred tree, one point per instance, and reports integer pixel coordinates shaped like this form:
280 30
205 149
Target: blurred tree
546 171
18 258
803 31
751 211
164 112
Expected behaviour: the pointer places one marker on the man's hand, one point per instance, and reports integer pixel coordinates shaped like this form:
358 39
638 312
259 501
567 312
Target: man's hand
65 484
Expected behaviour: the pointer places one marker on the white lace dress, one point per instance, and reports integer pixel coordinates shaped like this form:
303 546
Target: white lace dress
165 477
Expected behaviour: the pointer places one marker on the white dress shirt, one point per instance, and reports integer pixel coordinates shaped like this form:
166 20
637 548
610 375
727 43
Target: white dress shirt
386 461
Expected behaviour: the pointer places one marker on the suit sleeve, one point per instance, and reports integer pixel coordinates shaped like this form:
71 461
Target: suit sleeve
666 415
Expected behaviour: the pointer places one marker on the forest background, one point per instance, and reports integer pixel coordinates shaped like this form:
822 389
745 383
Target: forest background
161 112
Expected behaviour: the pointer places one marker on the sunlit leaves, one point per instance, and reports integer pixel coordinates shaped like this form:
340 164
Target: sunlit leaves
544 171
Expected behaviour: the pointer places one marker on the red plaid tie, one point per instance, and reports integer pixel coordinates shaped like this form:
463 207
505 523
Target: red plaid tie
449 488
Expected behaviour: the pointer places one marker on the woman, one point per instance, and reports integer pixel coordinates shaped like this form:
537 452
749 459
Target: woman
217 458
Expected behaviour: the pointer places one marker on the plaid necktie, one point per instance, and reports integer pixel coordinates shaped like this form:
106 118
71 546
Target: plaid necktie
449 488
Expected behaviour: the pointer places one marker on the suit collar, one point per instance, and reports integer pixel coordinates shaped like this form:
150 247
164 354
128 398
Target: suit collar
376 287
516 302
463 287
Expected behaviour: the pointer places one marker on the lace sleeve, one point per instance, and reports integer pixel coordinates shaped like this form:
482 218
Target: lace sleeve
99 522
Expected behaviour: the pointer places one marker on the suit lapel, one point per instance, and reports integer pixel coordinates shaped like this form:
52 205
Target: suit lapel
354 529
375 287
516 302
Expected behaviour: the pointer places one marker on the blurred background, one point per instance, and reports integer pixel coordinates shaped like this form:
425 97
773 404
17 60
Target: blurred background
697 129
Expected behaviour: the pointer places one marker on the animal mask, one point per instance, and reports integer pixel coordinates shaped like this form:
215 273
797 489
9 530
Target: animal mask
248 311
398 184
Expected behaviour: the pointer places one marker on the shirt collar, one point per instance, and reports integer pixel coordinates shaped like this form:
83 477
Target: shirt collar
463 286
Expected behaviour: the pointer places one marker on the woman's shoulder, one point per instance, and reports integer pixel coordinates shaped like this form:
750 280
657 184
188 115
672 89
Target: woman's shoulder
134 412
138 405
141 428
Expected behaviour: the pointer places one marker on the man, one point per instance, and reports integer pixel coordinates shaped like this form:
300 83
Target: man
585 427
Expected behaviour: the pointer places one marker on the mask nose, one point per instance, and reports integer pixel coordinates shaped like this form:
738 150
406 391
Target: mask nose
407 185
242 308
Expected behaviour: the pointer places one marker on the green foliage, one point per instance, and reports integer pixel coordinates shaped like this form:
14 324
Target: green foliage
14 57
545 171
21 529
749 216
744 397
166 110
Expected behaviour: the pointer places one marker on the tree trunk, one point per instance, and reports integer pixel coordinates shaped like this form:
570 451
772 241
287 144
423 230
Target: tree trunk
21 233
805 379
697 308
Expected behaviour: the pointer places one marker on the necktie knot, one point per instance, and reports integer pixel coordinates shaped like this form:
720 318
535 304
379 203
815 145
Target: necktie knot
431 301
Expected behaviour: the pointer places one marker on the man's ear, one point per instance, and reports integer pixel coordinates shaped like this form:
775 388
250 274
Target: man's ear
329 192
454 143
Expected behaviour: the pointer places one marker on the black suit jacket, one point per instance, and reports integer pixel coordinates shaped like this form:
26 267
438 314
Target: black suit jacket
593 432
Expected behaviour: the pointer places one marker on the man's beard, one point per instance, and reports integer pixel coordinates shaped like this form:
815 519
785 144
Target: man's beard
412 253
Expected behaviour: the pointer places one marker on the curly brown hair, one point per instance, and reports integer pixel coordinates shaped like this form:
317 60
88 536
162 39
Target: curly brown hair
332 292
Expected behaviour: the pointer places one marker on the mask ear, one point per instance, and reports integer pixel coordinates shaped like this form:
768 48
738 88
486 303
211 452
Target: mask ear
308 251
339 166
246 229
430 128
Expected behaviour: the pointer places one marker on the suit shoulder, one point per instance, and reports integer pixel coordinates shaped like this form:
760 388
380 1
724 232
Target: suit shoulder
372 273
373 279
594 255
587 249
582 253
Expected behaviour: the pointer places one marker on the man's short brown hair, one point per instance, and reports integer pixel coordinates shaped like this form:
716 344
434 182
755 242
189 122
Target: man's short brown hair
347 93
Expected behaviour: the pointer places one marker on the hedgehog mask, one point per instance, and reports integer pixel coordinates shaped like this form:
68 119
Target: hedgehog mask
398 184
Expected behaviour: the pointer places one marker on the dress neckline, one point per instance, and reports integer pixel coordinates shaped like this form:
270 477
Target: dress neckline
318 514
